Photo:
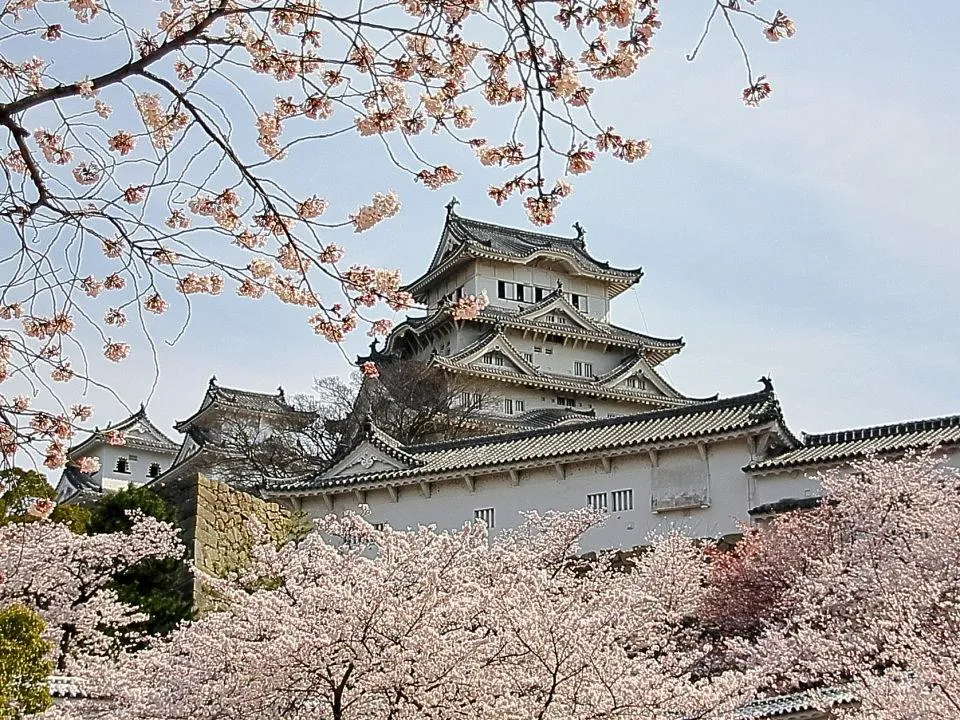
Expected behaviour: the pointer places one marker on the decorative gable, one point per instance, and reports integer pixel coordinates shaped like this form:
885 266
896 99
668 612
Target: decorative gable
365 458
561 313
495 352
146 434
637 383
637 375
495 360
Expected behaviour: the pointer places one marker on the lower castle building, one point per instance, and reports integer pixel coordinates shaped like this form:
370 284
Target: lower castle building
581 414
706 470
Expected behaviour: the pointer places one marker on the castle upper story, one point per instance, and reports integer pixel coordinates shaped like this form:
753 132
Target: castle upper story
517 268
545 341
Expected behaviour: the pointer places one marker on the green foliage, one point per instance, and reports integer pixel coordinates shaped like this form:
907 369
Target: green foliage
110 514
75 517
24 663
158 587
22 487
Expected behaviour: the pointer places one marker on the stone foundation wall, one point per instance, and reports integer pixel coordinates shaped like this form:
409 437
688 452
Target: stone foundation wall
215 522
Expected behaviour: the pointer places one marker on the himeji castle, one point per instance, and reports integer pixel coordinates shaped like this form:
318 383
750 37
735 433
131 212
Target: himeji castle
545 342
589 419
580 414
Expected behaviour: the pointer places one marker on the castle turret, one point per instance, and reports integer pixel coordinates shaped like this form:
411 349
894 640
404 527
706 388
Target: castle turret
545 341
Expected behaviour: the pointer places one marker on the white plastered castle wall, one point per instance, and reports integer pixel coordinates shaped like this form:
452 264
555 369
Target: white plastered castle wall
451 503
771 486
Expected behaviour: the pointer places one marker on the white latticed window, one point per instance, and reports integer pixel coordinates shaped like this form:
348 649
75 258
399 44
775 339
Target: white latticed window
597 501
485 514
583 369
622 500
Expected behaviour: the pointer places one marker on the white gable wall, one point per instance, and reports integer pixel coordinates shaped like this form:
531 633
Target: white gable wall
776 485
139 470
451 503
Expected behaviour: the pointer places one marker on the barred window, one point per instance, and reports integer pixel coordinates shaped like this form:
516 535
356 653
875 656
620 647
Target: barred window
583 369
485 514
597 501
622 500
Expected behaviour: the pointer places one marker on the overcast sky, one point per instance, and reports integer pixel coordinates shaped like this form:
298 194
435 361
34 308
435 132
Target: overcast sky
814 239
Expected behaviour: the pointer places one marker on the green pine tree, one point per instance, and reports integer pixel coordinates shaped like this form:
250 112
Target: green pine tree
24 663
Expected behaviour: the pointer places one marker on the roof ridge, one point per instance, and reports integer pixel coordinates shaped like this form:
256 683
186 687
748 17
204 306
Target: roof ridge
765 395
878 431
518 231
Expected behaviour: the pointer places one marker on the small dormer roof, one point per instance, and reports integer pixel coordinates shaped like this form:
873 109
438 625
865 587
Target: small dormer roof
140 434
464 239
837 448
219 397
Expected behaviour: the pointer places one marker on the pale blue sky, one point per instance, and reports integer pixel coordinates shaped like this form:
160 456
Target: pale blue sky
816 239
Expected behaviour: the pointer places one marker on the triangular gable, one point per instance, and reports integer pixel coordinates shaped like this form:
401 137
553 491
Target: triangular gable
495 342
619 378
137 428
449 242
559 307
365 458
147 432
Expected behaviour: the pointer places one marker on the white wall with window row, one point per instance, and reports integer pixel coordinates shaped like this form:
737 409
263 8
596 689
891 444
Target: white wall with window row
702 491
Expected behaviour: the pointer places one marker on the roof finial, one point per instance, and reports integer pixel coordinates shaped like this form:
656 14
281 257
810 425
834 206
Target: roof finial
559 284
452 204
367 423
580 232
373 345
213 381
767 383
280 391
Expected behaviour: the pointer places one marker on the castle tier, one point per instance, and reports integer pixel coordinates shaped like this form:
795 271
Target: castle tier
545 342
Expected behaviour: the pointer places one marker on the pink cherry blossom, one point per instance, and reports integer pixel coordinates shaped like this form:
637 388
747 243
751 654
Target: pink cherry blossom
88 465
467 308
116 351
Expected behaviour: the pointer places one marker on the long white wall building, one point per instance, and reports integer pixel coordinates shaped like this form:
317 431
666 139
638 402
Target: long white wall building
649 456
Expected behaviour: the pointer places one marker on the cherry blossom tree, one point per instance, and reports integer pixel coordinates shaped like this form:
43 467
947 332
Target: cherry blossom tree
151 176
874 605
67 578
353 622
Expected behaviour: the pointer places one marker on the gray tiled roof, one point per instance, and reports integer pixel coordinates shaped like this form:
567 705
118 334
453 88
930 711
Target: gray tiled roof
658 349
147 437
783 705
244 400
539 418
523 243
650 428
465 238
556 382
852 444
